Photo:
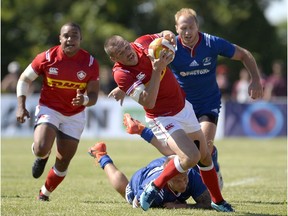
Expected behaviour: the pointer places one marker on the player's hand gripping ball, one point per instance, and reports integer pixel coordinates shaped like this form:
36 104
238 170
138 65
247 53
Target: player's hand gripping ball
159 44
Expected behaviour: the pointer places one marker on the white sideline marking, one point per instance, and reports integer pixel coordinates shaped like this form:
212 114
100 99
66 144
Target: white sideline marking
241 182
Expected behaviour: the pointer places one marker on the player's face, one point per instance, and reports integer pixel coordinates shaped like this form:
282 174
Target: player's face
125 54
179 183
187 29
70 38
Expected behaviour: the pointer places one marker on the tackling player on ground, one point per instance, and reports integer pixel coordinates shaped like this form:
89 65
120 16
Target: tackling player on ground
133 126
173 195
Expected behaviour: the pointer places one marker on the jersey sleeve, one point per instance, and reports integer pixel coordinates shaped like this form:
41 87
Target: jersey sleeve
38 63
145 40
95 69
224 47
125 80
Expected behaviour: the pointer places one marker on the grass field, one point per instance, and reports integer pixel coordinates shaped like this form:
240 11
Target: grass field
254 173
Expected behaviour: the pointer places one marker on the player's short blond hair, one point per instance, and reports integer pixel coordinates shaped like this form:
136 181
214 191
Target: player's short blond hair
186 12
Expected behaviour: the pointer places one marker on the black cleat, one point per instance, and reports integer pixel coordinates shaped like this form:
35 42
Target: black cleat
38 167
222 206
42 197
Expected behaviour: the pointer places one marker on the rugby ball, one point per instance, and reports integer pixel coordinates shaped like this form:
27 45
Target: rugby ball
159 44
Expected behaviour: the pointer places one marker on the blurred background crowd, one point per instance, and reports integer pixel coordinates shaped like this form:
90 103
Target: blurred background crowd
274 82
241 22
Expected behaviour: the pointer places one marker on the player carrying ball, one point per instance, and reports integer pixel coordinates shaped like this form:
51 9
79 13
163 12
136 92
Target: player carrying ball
152 84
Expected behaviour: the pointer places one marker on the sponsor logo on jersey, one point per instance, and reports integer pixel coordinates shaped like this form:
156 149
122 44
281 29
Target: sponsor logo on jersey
169 126
194 63
56 83
81 75
141 76
194 72
207 61
53 71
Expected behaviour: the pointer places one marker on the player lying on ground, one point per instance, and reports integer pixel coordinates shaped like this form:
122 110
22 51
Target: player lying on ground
133 126
175 193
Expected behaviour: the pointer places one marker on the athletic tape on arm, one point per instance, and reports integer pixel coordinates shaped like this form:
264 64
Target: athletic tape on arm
23 85
86 100
135 95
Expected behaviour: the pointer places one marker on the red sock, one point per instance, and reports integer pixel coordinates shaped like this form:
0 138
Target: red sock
210 179
169 172
53 180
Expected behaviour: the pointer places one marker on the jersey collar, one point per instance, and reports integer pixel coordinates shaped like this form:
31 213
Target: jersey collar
191 50
64 56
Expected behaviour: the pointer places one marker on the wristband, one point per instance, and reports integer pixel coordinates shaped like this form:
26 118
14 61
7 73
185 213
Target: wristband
22 88
86 100
147 134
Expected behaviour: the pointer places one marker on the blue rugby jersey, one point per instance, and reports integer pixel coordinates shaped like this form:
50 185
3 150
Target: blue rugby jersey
149 173
195 70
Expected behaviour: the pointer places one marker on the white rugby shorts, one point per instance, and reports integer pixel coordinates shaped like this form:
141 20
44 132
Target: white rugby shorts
163 126
70 125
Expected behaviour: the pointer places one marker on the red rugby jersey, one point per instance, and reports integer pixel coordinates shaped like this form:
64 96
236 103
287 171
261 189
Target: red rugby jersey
62 75
170 99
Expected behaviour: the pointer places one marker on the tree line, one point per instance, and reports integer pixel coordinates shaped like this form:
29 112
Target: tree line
32 26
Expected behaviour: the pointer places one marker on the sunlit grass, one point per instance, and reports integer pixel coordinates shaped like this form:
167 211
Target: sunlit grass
254 174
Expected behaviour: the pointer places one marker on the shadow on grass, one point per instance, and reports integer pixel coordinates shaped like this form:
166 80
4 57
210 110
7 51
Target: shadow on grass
260 202
257 214
103 202
14 196
237 213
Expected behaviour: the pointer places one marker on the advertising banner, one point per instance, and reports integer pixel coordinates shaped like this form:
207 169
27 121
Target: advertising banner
104 120
258 119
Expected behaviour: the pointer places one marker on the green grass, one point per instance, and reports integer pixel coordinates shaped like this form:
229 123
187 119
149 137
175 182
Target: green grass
254 174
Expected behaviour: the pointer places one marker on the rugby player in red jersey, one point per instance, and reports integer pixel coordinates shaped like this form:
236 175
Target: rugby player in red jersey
152 84
70 83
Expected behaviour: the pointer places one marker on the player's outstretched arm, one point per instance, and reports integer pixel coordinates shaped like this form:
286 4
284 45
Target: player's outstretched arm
255 89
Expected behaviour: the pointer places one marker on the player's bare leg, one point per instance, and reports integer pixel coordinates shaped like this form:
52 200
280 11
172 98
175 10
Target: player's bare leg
65 151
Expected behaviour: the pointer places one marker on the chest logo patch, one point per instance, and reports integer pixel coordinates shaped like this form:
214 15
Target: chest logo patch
140 76
53 71
81 75
207 61
194 63
169 126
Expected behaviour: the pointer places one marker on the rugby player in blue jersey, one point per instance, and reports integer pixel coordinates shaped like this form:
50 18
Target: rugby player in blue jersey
195 64
175 193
